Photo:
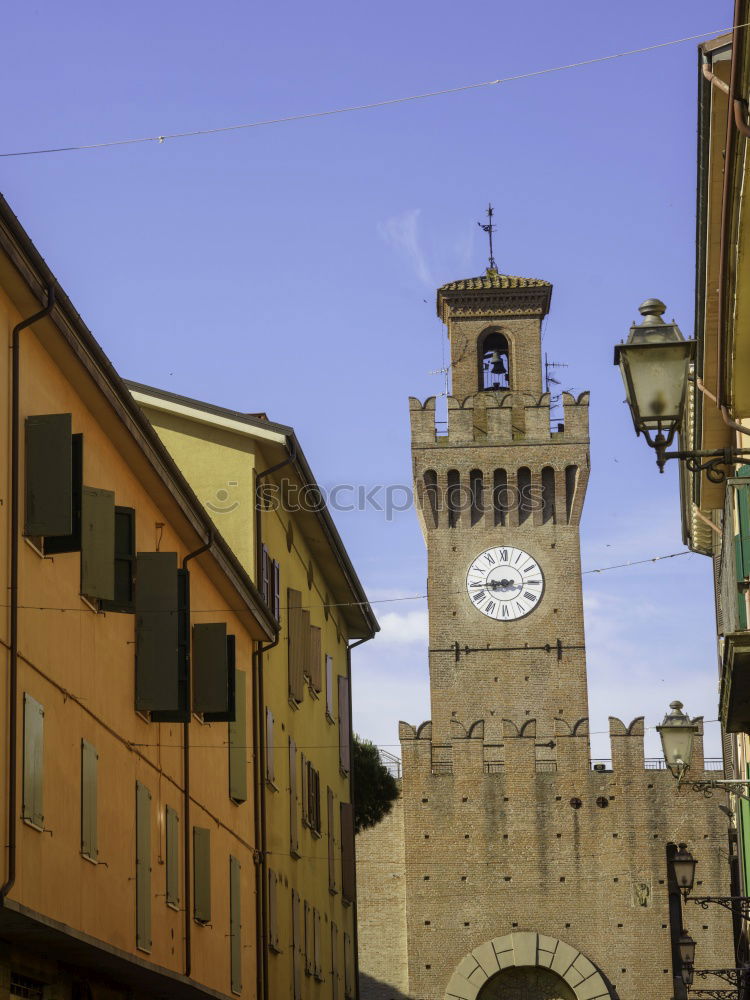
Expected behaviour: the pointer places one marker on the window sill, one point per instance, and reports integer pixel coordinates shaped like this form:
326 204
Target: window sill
316 833
330 719
332 892
295 854
89 602
174 906
272 785
87 857
275 949
32 544
296 705
33 825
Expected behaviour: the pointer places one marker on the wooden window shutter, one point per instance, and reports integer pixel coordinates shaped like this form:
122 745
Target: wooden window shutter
124 570
98 543
317 960
49 475
33 762
270 770
157 680
72 542
142 867
296 645
296 946
89 832
276 579
316 658
334 962
202 874
210 669
173 857
331 843
347 852
304 629
273 911
345 728
348 966
238 742
316 801
304 774
329 686
293 818
265 570
308 938
228 713
235 924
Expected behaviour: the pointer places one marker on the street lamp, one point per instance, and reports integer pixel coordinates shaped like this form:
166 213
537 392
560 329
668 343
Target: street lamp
683 867
655 364
677 732
687 949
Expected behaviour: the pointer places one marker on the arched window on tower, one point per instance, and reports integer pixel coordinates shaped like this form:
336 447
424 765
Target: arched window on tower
431 495
524 494
494 362
476 485
548 495
454 497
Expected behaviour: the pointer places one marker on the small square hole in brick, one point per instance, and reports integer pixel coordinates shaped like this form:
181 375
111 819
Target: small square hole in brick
463 878
562 878
466 836
506 878
427 923
619 925
514 925
466 923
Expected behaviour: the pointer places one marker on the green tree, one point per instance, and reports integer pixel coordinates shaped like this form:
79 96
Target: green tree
375 788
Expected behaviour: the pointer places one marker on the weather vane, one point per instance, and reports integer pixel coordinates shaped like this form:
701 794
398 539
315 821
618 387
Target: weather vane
489 229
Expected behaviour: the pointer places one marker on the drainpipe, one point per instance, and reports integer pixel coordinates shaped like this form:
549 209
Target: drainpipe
259 792
186 796
352 790
14 553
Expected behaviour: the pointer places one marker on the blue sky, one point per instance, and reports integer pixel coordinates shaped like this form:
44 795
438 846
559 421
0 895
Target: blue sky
292 268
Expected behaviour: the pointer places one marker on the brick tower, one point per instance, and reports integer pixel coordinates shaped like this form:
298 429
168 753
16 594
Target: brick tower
509 867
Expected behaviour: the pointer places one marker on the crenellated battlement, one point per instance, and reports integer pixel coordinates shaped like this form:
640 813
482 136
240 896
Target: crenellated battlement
500 418
520 750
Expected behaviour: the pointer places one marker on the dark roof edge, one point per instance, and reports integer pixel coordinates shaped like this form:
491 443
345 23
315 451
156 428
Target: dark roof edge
11 231
306 475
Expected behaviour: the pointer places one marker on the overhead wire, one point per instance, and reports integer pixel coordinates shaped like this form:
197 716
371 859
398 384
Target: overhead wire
306 116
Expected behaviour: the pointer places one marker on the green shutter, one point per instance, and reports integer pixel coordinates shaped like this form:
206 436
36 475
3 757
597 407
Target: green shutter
744 811
89 778
238 743
49 475
235 924
124 570
142 867
33 762
293 810
98 543
72 542
229 714
157 682
345 729
173 857
210 666
202 874
743 516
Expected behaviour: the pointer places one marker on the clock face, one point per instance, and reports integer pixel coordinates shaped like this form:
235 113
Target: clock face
505 583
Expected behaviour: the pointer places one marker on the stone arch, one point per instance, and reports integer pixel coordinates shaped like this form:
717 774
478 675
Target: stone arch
529 950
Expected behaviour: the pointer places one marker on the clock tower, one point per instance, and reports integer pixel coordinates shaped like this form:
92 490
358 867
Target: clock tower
513 867
500 494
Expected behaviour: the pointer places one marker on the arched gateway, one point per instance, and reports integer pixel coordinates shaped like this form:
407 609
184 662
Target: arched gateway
526 966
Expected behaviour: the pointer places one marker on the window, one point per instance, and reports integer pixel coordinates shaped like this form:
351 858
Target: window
313 798
524 494
89 767
238 742
54 544
548 495
98 543
270 772
500 497
269 587
173 858
24 986
315 656
347 852
124 597
317 960
430 480
329 687
33 762
476 489
293 821
202 875
157 662
304 774
297 637
571 478
454 497
235 924
273 912
345 728
142 867
494 363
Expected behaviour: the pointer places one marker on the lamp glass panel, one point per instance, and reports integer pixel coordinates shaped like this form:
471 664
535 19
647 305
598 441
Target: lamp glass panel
677 743
687 949
684 870
655 377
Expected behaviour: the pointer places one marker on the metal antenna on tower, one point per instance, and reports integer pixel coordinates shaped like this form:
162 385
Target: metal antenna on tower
489 228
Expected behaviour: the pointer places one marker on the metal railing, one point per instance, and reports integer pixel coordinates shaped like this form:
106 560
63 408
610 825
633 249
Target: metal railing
442 758
391 763
546 766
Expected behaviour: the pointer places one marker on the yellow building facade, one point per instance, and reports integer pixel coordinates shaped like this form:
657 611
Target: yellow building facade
255 483
128 634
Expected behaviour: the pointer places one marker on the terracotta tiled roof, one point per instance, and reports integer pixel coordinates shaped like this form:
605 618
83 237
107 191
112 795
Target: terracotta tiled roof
492 279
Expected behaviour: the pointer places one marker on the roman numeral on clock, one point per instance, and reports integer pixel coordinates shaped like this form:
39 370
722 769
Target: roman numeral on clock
529 596
479 596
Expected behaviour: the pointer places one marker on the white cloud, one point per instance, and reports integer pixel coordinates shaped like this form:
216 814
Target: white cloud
397 627
400 232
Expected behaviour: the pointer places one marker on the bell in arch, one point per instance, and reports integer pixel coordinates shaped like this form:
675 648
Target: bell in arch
496 364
